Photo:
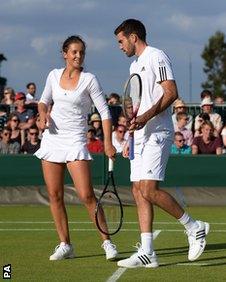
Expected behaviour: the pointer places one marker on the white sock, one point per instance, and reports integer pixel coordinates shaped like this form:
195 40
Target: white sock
107 241
188 222
147 242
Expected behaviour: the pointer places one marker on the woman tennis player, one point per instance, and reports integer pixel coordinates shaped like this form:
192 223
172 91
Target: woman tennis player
71 90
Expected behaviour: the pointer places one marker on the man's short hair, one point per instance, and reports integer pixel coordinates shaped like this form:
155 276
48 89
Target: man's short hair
132 26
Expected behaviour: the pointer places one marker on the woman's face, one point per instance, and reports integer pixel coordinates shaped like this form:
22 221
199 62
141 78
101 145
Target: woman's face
14 121
75 55
207 131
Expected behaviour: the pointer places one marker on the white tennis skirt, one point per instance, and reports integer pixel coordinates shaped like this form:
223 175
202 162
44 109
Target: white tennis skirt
62 148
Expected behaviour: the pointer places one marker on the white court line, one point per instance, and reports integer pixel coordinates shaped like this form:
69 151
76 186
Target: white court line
118 273
94 229
90 222
197 264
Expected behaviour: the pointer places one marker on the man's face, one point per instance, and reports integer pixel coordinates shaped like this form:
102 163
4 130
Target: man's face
179 141
6 135
33 134
207 109
20 102
126 44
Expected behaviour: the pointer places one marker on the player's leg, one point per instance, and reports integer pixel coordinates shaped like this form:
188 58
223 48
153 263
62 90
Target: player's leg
155 157
54 177
81 175
145 255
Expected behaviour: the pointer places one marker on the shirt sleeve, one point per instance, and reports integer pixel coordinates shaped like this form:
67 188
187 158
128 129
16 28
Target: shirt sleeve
162 66
46 97
97 96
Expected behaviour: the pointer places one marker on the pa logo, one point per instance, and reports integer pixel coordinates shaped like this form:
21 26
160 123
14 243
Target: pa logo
7 271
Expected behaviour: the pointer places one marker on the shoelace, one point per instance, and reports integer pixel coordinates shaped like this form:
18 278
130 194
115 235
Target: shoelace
108 246
138 247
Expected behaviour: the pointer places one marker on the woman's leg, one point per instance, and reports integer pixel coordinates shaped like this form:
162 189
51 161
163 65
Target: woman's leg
54 179
81 175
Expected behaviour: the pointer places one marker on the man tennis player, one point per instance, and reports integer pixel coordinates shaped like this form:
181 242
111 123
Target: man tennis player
153 138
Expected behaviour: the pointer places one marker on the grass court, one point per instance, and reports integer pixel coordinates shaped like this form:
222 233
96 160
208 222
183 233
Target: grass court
27 236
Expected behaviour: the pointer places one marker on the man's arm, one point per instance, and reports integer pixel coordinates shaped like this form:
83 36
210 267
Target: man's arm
169 96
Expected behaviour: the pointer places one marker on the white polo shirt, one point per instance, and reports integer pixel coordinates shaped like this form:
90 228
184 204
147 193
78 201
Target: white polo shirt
154 66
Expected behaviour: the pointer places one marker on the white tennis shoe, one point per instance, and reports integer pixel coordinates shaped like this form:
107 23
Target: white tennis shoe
110 250
62 251
197 240
139 259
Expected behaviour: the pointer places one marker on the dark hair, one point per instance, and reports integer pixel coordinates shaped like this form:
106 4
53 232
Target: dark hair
33 127
178 133
12 115
205 93
204 116
73 39
6 128
30 83
114 95
132 26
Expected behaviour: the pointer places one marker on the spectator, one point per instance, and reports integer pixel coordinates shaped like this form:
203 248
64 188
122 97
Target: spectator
180 107
33 144
202 118
31 90
18 134
206 94
3 116
207 107
122 121
223 135
9 98
6 145
114 99
207 143
114 107
219 100
26 116
179 146
182 120
95 121
94 145
118 138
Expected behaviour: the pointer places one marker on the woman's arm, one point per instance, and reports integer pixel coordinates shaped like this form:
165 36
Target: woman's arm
42 109
110 150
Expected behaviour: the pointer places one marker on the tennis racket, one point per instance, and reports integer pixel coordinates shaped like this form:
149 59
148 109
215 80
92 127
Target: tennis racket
131 104
109 211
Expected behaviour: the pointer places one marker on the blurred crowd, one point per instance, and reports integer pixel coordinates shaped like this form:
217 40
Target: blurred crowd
20 133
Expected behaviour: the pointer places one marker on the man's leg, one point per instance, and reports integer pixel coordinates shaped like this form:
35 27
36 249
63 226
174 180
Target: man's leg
152 194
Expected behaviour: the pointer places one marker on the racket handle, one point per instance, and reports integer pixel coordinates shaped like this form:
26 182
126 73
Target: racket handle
110 165
131 147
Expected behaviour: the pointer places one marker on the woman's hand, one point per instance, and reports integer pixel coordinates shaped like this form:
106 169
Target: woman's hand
43 122
110 150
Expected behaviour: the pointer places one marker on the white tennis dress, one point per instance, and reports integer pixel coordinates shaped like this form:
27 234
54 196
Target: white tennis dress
65 139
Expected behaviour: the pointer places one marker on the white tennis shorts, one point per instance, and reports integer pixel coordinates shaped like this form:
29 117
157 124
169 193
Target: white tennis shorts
150 159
